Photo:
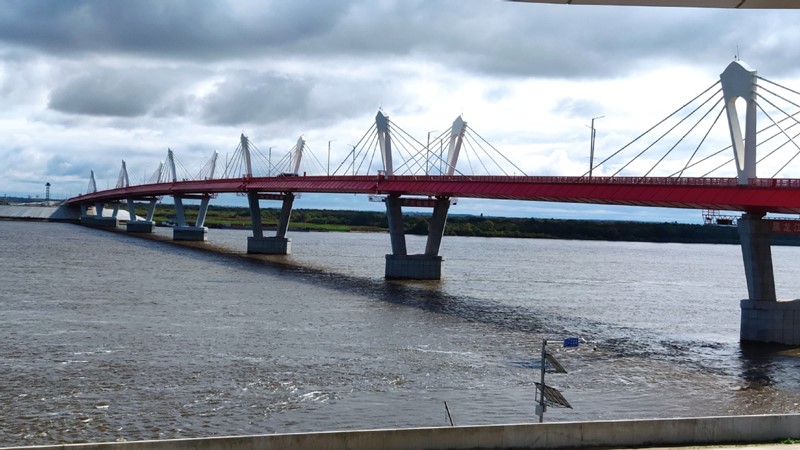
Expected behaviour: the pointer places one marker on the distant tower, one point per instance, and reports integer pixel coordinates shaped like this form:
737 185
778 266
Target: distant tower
47 192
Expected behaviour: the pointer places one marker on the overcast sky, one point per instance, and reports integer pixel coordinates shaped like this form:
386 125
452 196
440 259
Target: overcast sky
85 84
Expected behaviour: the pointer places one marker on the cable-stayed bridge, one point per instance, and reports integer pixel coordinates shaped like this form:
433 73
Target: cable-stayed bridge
676 163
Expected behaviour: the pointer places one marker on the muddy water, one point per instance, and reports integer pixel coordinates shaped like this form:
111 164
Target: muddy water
105 336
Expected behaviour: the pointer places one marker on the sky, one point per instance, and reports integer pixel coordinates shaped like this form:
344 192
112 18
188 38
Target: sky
86 84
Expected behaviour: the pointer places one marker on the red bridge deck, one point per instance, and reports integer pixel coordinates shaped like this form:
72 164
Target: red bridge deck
760 195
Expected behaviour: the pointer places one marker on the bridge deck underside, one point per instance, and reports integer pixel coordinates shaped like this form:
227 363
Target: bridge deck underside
761 195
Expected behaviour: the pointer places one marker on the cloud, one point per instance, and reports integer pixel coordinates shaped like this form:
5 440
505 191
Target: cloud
124 92
87 83
246 98
487 37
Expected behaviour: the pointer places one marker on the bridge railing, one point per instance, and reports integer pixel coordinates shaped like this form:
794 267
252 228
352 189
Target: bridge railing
341 183
666 181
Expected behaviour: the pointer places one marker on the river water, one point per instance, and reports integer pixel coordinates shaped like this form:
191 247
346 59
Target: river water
106 336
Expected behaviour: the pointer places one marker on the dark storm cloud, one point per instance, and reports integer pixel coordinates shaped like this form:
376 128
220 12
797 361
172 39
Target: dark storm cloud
113 92
175 28
490 37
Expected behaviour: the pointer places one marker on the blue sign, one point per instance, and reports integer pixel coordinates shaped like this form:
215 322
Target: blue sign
571 342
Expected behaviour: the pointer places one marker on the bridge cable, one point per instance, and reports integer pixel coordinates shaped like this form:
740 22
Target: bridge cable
651 128
438 157
413 161
319 165
776 84
469 148
780 128
663 135
719 100
716 119
700 161
351 156
369 151
469 129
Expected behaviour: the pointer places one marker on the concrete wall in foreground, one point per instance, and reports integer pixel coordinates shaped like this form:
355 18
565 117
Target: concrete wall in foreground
613 434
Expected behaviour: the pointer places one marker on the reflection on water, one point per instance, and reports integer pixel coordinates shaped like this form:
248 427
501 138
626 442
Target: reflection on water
106 336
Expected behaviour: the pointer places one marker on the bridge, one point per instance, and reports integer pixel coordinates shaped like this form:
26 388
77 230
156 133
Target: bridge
391 166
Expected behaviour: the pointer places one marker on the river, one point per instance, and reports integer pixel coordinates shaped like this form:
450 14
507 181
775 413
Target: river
106 336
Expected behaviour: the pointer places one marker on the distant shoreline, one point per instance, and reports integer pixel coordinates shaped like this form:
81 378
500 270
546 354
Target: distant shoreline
231 217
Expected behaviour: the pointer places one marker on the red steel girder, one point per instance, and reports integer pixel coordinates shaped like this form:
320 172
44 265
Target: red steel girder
761 195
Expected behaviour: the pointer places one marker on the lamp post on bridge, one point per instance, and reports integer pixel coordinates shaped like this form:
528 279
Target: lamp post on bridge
591 147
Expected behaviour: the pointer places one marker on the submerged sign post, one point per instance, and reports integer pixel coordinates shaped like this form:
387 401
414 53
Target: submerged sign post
549 395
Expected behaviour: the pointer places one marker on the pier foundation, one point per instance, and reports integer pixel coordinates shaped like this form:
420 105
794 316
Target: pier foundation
99 221
269 245
414 267
190 234
771 322
140 226
763 318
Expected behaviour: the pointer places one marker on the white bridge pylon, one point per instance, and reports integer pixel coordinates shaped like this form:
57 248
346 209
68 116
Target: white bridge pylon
739 81
122 180
384 135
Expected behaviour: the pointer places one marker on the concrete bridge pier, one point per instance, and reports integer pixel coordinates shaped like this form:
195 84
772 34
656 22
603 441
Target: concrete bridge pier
184 232
764 318
279 244
97 220
141 226
427 266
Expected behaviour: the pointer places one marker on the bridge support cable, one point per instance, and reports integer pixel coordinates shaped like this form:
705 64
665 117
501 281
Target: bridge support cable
696 149
208 171
474 139
661 122
356 153
719 100
789 138
787 116
661 137
730 160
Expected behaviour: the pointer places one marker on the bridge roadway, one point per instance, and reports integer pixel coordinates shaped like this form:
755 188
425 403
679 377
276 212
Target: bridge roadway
759 196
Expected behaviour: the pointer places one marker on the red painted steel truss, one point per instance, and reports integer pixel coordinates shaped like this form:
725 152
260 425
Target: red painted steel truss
761 195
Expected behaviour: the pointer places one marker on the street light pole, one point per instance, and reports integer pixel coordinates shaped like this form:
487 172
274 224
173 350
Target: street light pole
591 147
